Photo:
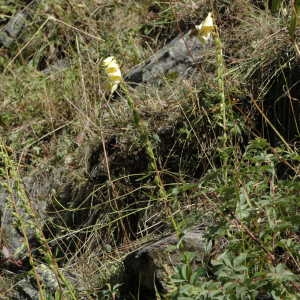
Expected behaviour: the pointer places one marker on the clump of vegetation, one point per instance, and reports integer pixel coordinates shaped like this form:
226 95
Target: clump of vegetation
258 216
222 144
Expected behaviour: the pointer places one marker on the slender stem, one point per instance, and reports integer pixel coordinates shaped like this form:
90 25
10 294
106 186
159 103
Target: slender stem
223 104
144 135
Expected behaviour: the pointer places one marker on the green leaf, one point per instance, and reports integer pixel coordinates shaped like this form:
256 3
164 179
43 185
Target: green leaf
184 272
281 274
275 5
240 259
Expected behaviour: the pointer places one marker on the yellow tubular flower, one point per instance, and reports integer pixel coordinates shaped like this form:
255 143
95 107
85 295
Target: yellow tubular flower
206 28
113 72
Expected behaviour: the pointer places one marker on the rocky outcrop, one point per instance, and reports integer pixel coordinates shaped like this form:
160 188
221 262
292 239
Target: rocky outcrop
50 284
26 288
147 270
177 59
27 201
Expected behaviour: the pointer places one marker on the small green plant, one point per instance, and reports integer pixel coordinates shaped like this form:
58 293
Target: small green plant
111 292
295 19
275 5
185 272
257 214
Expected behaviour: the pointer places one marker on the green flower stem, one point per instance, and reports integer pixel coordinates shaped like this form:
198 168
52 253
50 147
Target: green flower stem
223 104
144 136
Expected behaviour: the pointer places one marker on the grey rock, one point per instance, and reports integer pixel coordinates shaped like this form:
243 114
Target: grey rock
48 277
146 271
37 189
5 39
57 66
12 29
16 24
11 236
26 288
176 59
26 285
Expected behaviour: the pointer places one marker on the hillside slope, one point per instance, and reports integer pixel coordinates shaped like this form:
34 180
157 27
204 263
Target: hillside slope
202 133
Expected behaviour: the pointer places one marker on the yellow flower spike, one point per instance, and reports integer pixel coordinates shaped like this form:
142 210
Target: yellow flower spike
113 72
206 28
